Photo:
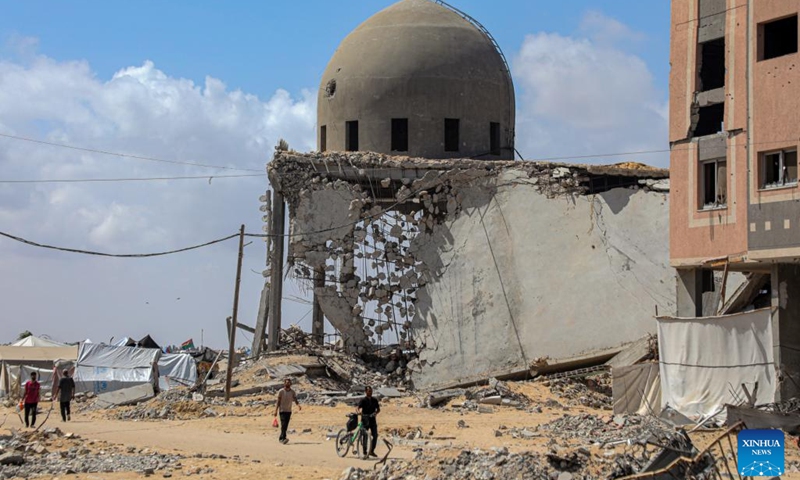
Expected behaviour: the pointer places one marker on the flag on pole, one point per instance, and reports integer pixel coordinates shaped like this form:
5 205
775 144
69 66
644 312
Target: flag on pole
187 345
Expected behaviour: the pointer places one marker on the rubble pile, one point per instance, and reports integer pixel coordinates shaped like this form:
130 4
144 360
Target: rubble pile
481 464
594 392
603 430
52 453
170 405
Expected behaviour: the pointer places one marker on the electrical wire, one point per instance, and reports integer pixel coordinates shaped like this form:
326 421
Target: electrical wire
134 179
125 155
126 255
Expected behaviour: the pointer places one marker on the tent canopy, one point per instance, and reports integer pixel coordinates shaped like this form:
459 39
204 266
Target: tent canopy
26 354
34 341
106 368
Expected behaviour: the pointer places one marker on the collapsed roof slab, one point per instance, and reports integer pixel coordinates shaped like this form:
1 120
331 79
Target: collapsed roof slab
505 264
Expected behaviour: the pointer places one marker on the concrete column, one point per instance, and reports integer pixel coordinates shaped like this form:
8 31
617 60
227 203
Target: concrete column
786 328
261 321
317 318
276 270
689 292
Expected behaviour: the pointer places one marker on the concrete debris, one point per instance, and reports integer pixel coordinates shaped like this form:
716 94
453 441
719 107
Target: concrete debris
51 453
594 391
126 396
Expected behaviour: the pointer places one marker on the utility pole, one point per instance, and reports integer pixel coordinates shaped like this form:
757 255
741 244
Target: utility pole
232 331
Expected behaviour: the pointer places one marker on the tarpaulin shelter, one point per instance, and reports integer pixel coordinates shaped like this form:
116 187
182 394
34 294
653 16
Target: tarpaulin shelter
704 361
34 341
106 368
176 370
147 342
45 358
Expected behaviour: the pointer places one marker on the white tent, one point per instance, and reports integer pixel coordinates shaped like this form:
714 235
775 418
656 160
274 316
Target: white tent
106 368
13 358
34 341
174 370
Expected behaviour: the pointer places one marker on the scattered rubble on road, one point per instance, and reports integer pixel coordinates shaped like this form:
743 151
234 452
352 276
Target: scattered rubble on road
50 453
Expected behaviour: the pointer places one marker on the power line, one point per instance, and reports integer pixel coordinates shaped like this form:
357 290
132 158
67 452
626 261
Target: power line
139 179
125 155
127 255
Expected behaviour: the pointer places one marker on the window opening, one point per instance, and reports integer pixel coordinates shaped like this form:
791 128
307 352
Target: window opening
323 138
451 140
715 183
779 169
711 68
351 136
778 38
399 134
710 121
708 282
494 138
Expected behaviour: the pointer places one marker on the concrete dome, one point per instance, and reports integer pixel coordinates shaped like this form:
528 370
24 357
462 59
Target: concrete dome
419 63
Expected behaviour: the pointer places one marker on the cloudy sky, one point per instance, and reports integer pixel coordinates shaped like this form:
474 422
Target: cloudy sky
218 84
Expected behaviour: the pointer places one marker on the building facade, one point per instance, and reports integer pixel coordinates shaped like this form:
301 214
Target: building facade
734 135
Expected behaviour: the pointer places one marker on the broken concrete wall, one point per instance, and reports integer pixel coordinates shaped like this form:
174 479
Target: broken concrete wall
483 267
521 276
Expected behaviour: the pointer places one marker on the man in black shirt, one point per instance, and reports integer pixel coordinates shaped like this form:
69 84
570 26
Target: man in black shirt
66 392
369 406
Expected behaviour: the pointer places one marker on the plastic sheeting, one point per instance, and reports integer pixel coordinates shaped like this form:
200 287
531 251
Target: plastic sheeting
106 368
637 389
702 360
176 370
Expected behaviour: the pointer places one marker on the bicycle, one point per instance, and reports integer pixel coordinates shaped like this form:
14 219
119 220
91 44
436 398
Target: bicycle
358 435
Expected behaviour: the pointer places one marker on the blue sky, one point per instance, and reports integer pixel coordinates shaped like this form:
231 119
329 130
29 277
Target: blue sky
219 83
262 46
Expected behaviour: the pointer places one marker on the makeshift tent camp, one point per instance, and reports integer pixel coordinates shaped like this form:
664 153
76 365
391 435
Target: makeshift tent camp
46 358
106 368
176 370
34 341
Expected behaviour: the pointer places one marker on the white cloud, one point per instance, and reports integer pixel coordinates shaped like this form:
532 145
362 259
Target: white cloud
580 97
140 110
605 30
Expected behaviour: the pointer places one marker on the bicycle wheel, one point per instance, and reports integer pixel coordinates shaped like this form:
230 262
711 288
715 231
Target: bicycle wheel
362 443
343 442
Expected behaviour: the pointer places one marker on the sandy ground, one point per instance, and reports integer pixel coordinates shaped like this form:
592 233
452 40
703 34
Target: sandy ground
247 433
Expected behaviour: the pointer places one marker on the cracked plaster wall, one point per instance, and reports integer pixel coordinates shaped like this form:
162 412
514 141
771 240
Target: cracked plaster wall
498 265
519 276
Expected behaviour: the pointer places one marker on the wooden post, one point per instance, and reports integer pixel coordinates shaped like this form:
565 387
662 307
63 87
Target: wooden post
232 328
276 270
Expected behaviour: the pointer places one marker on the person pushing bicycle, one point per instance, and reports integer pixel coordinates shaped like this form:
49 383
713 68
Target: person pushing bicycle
369 408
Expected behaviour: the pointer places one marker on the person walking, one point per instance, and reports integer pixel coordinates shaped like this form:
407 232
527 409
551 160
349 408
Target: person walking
284 406
31 400
66 392
369 408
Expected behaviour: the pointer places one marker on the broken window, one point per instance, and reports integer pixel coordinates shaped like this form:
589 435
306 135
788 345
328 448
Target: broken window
494 138
715 183
710 121
323 138
779 169
778 38
351 136
399 134
451 140
711 64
